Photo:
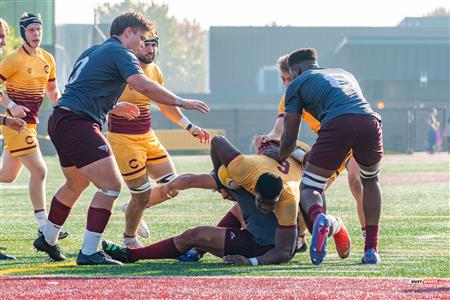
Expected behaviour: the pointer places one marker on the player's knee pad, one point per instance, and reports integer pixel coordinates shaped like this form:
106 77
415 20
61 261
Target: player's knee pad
146 186
313 182
166 178
110 193
369 175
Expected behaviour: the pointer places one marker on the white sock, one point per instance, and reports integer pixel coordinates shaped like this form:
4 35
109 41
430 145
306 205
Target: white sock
90 242
51 233
40 217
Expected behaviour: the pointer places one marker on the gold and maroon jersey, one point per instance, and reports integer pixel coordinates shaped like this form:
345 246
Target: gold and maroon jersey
246 169
313 123
27 77
141 124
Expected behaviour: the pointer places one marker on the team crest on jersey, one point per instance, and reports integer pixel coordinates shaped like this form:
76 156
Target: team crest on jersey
29 140
47 69
29 70
133 163
104 148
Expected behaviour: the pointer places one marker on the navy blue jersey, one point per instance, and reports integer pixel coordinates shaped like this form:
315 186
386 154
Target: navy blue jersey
261 226
326 94
98 79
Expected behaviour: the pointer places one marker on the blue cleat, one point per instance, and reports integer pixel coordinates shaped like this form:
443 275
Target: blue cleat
372 257
318 247
190 256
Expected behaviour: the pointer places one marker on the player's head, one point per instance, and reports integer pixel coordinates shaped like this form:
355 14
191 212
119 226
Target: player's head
3 33
283 66
132 29
301 58
31 29
267 192
148 54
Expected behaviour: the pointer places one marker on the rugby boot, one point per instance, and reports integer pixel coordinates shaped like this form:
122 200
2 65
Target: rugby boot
116 252
342 241
98 258
371 256
54 252
318 248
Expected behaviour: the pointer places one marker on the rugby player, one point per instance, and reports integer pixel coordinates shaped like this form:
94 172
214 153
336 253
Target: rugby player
98 79
333 97
29 72
138 151
354 180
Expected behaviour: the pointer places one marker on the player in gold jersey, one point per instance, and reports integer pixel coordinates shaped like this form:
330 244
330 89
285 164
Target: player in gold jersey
138 151
354 180
276 189
29 73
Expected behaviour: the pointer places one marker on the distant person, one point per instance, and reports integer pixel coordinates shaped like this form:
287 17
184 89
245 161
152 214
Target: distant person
98 79
139 153
334 98
13 123
29 73
349 163
433 132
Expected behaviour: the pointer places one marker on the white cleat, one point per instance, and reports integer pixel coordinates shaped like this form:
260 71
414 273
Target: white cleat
143 230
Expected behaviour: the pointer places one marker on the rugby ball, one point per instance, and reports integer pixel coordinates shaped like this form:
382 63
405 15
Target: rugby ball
226 179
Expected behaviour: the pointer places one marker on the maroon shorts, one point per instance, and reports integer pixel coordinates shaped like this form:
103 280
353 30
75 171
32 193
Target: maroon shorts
78 142
361 133
241 242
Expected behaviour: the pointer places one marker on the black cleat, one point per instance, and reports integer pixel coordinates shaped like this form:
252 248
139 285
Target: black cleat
98 258
54 252
4 256
62 234
116 252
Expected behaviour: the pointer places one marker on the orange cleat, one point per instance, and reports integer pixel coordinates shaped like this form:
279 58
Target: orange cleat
342 241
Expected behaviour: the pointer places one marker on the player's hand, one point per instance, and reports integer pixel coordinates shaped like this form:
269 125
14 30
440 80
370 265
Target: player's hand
273 153
18 111
168 190
236 260
191 104
15 124
259 140
201 134
225 194
127 110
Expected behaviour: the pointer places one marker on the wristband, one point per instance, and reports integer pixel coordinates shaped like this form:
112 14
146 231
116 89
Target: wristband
253 261
185 123
4 120
10 105
178 102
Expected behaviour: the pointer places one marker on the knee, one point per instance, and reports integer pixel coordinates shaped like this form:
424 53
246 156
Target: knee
7 178
39 173
355 184
192 235
142 200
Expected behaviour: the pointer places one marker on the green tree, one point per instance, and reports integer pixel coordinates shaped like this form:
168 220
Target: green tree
439 12
182 43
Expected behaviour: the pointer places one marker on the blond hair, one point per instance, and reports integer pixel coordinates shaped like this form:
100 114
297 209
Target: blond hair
4 25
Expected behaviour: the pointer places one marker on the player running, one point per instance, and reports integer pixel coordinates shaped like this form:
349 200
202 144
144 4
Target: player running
138 151
29 73
333 97
95 84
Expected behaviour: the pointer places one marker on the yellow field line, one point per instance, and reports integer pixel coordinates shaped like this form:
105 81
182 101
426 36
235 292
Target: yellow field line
47 266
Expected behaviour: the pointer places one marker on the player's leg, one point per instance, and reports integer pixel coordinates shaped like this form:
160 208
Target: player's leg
11 167
355 185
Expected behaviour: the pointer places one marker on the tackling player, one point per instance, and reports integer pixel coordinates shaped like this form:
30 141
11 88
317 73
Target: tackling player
354 180
29 73
333 97
98 79
138 151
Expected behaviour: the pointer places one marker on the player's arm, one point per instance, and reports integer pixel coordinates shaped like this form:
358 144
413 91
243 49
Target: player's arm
222 152
53 91
13 123
17 111
190 180
282 252
160 94
175 115
290 134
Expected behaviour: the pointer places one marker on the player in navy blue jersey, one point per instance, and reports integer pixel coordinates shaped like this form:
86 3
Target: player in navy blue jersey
333 97
98 79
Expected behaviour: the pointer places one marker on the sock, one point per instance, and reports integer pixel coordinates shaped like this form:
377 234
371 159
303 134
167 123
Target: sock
97 219
314 211
335 226
371 237
90 242
160 250
229 220
40 217
57 216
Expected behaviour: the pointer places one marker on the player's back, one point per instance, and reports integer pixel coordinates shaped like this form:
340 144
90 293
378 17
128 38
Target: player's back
329 93
98 79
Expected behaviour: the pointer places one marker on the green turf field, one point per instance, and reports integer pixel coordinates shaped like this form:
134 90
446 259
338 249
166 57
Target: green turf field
415 233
